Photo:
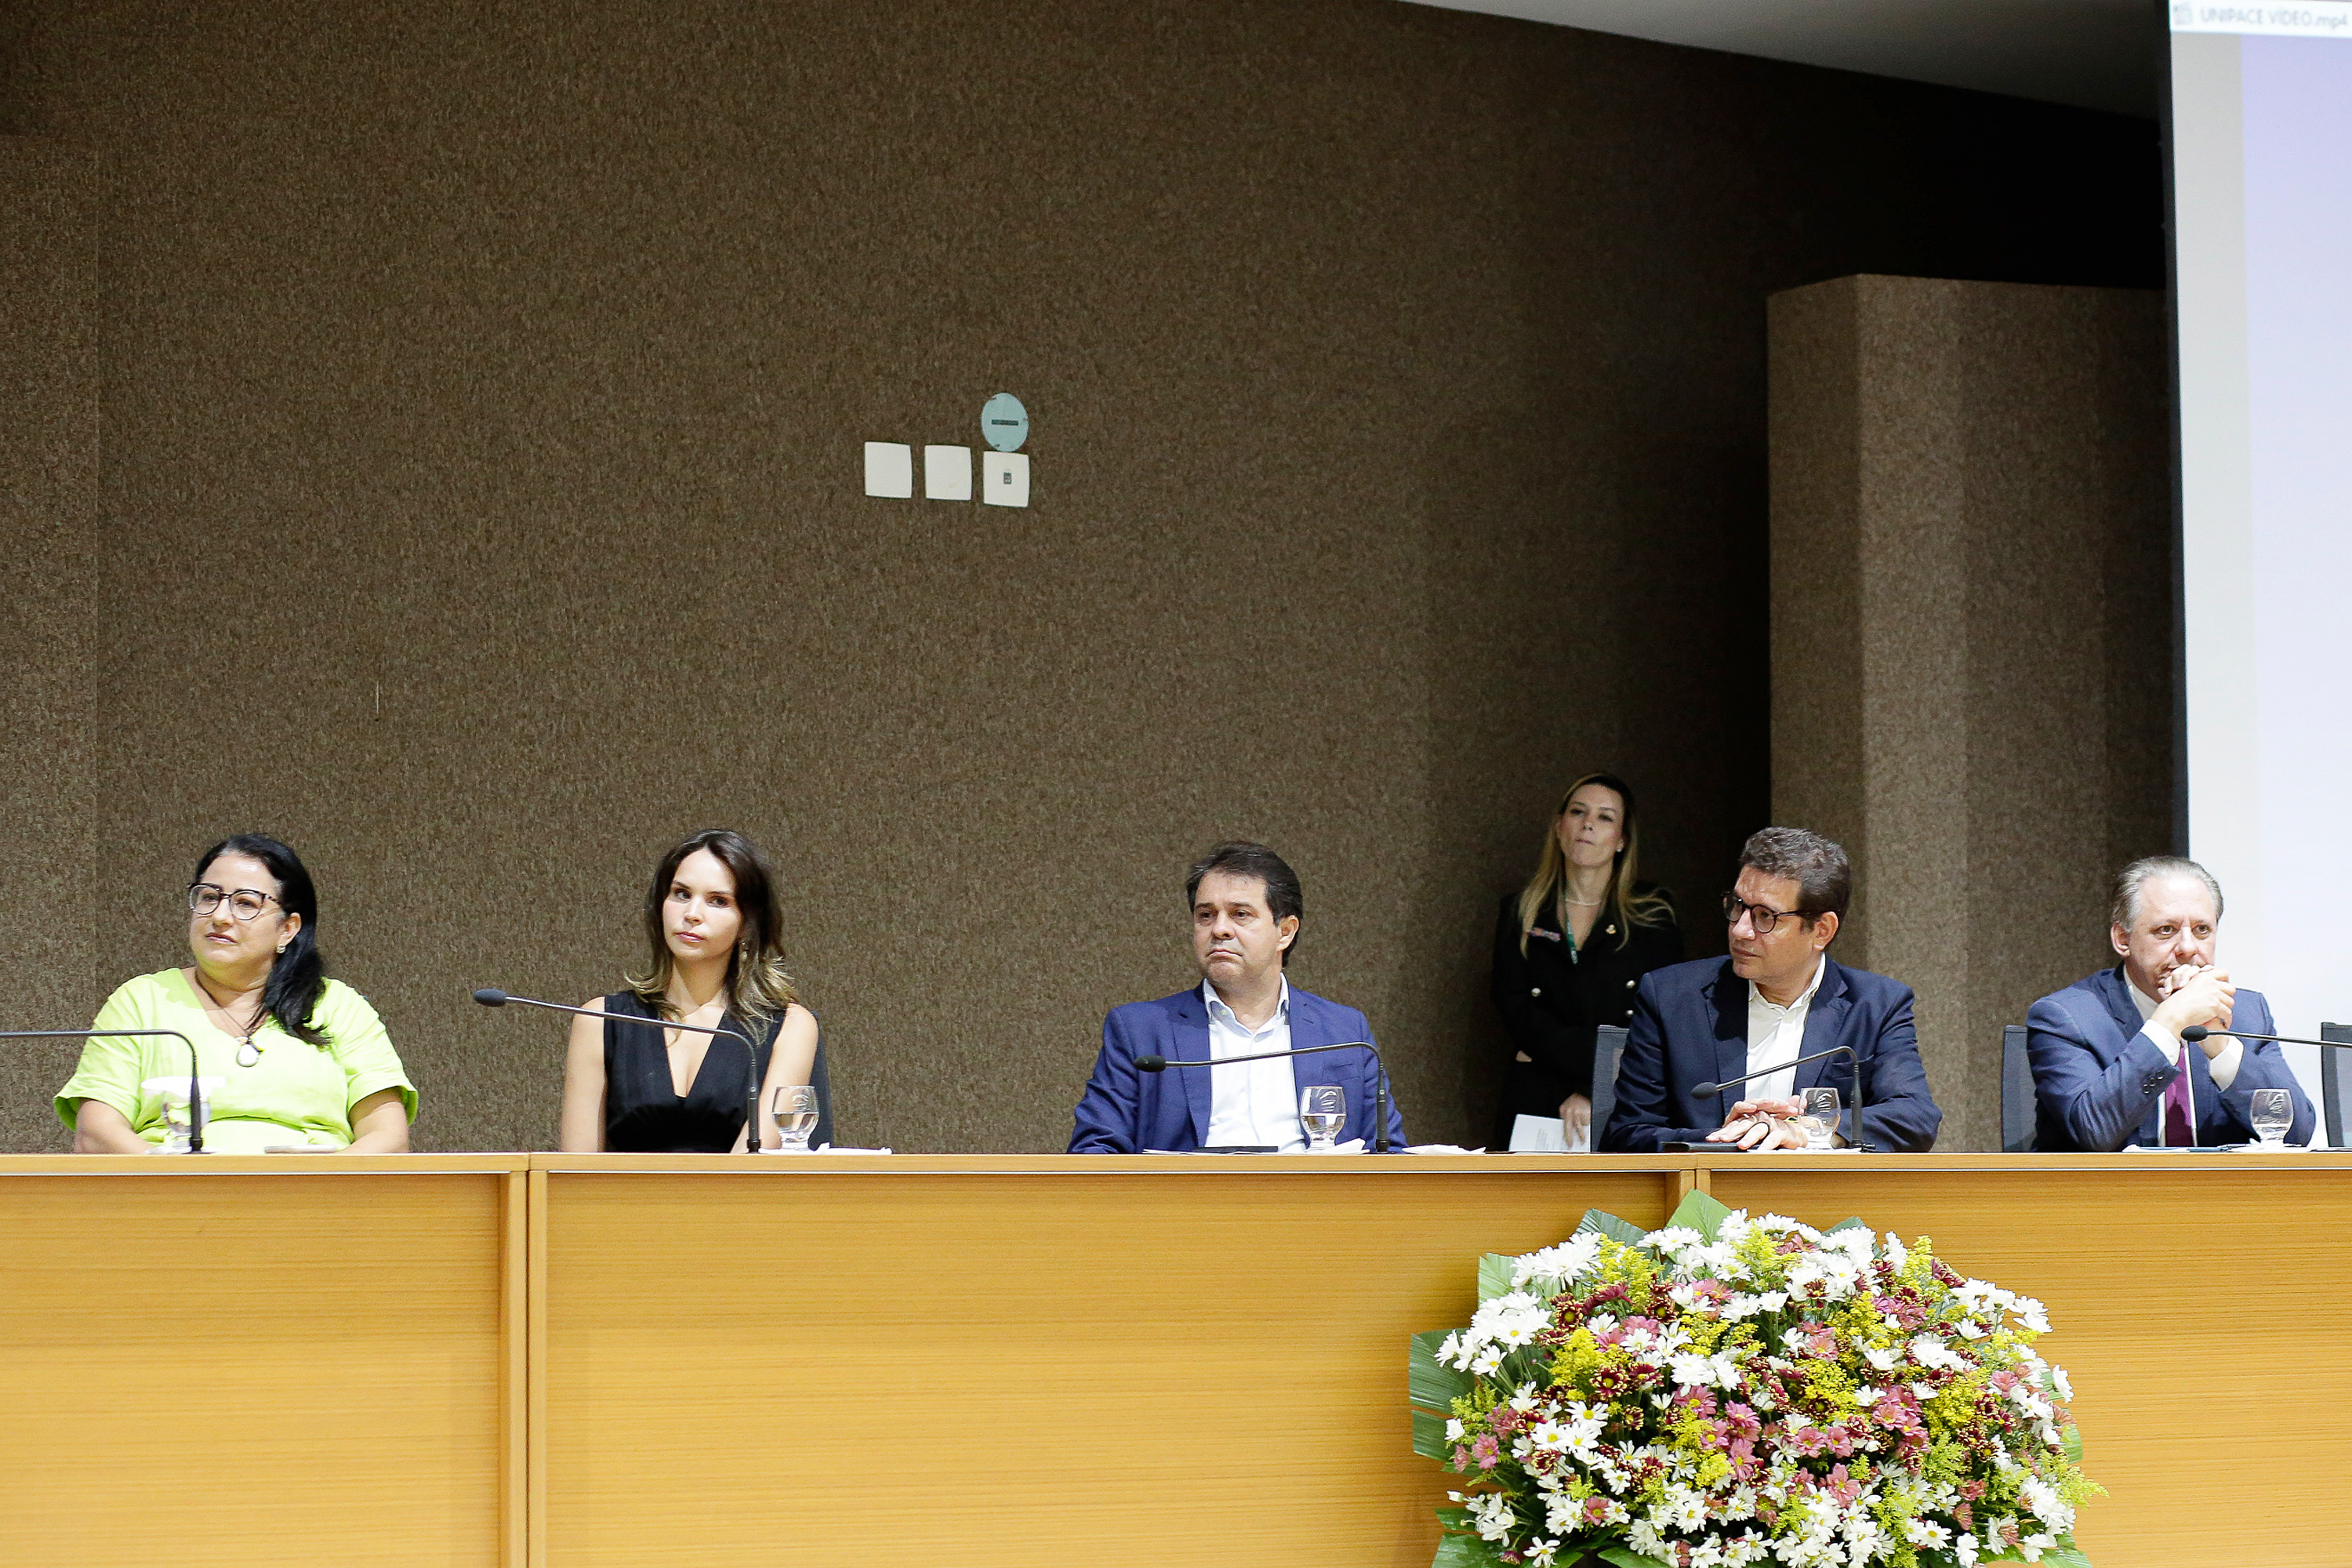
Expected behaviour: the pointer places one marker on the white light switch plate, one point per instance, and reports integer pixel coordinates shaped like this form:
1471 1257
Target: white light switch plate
1004 478
946 473
890 468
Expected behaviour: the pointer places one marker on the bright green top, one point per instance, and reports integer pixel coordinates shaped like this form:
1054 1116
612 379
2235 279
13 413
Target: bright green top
297 1093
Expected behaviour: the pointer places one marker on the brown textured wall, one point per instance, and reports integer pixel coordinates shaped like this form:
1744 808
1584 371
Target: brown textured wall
1818 780
482 393
49 634
1988 730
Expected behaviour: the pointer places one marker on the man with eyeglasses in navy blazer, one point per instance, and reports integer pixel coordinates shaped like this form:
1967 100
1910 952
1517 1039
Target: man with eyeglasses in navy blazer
1778 996
1245 909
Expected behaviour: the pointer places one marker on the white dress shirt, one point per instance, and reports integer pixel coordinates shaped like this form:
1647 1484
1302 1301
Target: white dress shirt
1776 1038
1252 1104
2223 1067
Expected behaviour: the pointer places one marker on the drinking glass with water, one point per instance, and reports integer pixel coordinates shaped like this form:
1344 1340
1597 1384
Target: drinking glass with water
1820 1120
794 1106
1322 1110
178 1121
2274 1115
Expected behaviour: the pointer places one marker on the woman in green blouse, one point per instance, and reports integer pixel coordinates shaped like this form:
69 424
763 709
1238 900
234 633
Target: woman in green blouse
304 1060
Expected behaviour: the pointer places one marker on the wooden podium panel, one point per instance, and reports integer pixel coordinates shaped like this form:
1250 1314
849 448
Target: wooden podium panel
994 1360
261 1359
2198 1303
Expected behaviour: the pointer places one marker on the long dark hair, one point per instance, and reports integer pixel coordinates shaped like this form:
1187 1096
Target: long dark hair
298 974
758 988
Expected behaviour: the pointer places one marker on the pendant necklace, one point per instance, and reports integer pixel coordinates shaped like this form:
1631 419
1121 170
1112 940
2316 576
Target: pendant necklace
247 1053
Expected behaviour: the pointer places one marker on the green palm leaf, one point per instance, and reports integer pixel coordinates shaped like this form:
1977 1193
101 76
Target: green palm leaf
1432 1384
1625 1556
1610 1226
1465 1552
2066 1554
1700 1213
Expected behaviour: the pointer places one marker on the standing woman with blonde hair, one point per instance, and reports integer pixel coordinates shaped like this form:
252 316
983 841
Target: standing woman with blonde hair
1569 947
714 926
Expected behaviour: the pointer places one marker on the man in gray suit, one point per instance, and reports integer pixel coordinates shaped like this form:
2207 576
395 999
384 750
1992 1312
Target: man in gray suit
2109 1065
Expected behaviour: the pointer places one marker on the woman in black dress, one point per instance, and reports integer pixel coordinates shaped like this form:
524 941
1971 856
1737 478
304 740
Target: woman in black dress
715 927
1569 947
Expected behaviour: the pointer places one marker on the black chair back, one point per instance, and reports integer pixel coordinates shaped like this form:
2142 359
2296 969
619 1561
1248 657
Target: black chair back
2016 1091
2335 1084
823 1083
1608 1049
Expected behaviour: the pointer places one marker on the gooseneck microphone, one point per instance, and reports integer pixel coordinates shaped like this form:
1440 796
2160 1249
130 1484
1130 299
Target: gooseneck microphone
1379 1076
1702 1091
490 996
195 1073
2196 1031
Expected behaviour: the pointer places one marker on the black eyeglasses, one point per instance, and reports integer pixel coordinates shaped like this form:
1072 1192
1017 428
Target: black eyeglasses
1763 918
244 903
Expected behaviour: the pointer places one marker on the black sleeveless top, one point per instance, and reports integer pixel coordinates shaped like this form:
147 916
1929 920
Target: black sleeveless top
642 1113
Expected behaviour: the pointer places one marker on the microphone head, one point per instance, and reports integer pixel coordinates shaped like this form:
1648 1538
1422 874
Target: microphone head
490 996
1701 1091
1152 1064
2194 1033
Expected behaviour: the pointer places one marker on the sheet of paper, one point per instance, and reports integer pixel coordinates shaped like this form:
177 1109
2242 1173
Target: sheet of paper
1544 1135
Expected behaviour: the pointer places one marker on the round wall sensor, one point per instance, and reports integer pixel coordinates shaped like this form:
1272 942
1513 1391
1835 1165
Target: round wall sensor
1004 422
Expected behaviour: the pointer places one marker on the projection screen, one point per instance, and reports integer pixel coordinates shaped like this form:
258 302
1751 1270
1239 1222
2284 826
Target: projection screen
2260 135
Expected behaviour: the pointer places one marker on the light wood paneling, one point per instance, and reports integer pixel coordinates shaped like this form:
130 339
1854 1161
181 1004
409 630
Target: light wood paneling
2198 1306
1015 1361
985 1360
514 1369
535 1407
254 1361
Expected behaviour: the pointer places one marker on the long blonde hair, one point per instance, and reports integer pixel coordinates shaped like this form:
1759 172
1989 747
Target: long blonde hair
758 988
1548 887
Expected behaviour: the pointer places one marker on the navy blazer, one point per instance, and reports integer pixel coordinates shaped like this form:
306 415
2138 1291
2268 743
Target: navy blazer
2099 1079
1690 1026
1125 1110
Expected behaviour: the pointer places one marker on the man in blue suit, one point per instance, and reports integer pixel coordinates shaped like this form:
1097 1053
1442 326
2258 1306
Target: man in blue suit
1778 996
1246 905
2109 1065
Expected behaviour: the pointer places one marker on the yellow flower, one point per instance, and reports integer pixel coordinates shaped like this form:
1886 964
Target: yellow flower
1826 1382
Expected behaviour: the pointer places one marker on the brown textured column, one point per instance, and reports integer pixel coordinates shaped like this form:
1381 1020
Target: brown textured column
48 500
1970 633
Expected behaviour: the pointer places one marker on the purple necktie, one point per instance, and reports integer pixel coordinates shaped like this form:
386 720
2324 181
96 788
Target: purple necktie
2180 1126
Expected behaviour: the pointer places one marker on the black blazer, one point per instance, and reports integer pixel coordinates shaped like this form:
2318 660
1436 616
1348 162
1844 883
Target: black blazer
1553 997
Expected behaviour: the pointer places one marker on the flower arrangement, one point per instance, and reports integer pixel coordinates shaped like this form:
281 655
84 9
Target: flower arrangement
1728 1390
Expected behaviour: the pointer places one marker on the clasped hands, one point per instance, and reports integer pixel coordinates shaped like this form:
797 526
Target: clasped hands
1762 1124
2192 993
